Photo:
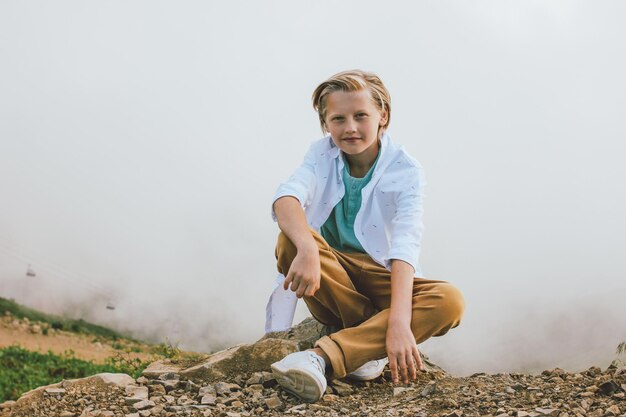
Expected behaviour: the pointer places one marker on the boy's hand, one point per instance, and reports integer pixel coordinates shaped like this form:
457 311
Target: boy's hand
404 358
304 273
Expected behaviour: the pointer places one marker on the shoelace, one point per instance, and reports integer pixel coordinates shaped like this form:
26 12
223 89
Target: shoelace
318 361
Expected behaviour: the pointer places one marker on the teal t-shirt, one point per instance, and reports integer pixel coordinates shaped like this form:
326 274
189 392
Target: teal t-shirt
338 230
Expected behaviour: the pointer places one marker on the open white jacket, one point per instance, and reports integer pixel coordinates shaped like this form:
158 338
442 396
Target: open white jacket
388 225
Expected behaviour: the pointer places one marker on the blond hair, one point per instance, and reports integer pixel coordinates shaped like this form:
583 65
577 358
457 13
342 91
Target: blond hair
353 80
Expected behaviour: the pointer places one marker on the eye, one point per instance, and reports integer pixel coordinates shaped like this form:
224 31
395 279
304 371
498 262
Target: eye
337 119
361 115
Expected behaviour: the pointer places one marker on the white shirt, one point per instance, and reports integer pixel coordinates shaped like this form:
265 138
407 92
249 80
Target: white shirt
389 222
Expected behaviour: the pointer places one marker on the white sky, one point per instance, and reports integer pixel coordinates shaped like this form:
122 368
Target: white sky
141 143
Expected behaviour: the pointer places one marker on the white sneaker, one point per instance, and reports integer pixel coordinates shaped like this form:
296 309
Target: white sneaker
302 374
370 370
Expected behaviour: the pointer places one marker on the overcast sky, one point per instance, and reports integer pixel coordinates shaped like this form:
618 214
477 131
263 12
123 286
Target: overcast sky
141 143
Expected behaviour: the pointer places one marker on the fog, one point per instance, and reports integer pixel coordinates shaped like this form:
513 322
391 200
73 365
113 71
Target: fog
141 143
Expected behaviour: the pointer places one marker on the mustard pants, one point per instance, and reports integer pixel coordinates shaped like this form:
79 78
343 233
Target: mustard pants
355 296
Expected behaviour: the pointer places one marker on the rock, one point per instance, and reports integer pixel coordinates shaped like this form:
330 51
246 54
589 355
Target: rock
593 371
132 415
255 378
158 368
273 403
7 404
207 390
119 380
224 388
242 358
208 399
547 411
136 392
608 387
142 405
612 411
157 390
169 384
67 414
341 388
54 391
428 390
401 390
169 376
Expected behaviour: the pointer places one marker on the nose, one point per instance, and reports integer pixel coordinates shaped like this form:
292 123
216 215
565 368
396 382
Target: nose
350 126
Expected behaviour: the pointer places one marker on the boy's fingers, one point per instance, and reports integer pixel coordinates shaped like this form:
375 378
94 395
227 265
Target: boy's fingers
288 280
402 366
393 366
418 359
411 367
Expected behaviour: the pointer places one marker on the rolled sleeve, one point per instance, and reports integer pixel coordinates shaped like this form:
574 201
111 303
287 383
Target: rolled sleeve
407 225
301 184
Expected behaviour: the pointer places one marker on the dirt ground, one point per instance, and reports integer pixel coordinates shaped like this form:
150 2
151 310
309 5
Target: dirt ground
87 347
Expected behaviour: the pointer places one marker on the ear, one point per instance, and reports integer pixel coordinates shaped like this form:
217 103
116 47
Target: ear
383 118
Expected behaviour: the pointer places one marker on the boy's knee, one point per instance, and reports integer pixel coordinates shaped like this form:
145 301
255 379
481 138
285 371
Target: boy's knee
451 307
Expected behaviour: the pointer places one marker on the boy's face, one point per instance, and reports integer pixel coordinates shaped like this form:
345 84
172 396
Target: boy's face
353 121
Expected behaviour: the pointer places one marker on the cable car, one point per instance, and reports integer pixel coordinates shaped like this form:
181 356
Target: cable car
30 272
110 305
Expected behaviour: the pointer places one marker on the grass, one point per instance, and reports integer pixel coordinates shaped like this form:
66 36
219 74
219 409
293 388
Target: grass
59 323
22 370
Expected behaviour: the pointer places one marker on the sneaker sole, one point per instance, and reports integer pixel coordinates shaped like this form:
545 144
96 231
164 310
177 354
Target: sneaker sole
299 383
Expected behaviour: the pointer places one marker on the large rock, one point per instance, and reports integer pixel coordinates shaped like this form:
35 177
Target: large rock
248 358
119 380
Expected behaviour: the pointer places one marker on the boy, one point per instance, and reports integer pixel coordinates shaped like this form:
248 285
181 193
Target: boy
351 227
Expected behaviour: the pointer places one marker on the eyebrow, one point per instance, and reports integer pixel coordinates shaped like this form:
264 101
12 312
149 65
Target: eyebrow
341 114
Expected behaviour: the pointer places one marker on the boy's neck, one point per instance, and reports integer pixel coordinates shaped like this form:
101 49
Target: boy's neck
361 163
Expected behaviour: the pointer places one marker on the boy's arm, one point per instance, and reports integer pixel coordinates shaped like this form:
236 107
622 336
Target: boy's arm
304 274
401 346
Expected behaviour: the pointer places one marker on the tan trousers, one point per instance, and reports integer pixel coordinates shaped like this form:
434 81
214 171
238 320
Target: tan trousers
355 295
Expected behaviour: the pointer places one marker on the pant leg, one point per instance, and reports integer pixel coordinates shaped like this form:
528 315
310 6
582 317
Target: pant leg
437 307
337 302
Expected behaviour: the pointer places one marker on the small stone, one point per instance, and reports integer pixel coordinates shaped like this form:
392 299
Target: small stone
142 405
330 398
612 411
208 390
429 390
547 411
142 380
157 390
273 403
593 371
145 413
398 390
132 415
299 407
67 414
169 376
208 399
608 387
455 413
510 390
223 388
236 404
54 391
521 413
255 378
342 389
